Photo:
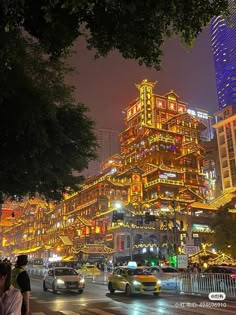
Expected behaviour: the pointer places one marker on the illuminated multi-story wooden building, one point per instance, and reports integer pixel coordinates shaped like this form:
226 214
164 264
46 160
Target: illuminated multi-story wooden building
158 171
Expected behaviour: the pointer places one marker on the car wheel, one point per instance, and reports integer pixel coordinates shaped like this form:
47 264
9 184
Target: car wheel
80 291
156 294
110 288
44 286
128 290
54 288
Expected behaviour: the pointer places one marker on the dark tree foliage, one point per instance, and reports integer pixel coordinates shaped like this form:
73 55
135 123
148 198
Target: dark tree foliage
225 231
44 135
136 28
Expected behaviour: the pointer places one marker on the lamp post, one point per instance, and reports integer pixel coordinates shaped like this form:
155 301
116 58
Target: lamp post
174 203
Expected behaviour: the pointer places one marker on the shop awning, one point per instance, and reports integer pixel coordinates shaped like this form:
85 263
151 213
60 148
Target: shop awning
47 246
68 258
66 240
94 249
26 251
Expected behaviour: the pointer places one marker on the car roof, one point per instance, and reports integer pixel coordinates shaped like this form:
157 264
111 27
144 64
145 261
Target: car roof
62 268
128 268
222 266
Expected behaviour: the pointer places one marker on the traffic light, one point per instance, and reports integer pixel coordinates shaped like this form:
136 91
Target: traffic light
147 218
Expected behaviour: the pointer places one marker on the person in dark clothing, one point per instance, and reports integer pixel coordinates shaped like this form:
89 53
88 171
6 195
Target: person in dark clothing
20 279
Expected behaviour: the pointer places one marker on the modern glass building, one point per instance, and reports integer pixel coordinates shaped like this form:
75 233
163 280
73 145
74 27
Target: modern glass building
223 35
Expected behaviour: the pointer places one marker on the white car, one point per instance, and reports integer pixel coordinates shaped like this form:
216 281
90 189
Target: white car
167 274
63 279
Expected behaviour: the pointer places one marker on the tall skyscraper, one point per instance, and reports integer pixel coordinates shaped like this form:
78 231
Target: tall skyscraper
109 145
203 116
223 35
226 136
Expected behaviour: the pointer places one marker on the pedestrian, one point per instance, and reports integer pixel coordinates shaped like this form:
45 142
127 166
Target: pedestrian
10 297
195 268
20 279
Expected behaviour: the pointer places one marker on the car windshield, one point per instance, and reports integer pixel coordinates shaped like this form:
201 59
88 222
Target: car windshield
90 267
168 269
136 272
65 272
230 270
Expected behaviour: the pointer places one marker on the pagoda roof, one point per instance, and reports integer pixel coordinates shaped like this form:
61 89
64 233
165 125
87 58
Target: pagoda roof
193 152
201 205
130 170
202 254
194 144
222 259
94 249
194 193
184 115
172 92
224 198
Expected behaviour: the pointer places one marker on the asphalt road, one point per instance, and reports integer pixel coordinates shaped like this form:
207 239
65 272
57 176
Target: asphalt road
96 300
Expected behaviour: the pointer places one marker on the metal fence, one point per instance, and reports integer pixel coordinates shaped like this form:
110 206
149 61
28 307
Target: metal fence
203 284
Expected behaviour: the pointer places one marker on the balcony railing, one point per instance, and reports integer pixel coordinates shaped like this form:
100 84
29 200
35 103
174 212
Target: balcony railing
164 181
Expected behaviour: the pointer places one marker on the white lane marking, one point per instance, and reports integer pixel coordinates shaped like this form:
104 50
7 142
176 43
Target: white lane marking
69 312
100 312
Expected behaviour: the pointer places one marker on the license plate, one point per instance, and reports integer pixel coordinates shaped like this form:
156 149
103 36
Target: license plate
149 289
71 286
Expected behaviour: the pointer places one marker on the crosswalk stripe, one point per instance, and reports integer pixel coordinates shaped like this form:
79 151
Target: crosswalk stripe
43 302
69 312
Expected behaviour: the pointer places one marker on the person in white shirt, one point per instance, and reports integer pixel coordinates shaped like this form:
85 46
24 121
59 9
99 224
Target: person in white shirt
10 297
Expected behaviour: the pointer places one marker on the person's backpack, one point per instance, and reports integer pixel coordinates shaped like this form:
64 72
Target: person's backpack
14 275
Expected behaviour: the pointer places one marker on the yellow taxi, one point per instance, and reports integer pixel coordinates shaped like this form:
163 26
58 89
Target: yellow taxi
133 280
89 270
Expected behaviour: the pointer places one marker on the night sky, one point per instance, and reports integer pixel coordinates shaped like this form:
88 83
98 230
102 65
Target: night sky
107 85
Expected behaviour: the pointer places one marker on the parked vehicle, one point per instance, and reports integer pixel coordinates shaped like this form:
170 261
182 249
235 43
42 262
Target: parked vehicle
221 278
167 274
133 280
63 279
89 270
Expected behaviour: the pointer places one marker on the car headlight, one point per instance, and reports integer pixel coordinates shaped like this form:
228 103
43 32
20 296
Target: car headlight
82 280
159 282
135 282
59 281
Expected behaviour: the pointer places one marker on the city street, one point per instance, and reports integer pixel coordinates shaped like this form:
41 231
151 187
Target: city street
96 299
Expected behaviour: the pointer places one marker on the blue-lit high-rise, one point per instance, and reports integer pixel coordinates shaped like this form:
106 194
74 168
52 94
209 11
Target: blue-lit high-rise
223 35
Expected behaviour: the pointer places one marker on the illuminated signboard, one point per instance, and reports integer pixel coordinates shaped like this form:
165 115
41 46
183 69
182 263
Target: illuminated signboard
200 227
198 114
167 175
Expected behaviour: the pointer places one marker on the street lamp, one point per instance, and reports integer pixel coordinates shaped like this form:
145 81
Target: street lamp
174 204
